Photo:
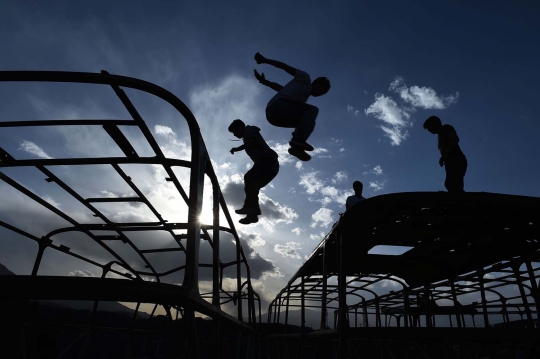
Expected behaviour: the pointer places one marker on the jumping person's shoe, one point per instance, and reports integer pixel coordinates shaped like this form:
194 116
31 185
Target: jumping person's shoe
300 154
250 218
244 210
301 145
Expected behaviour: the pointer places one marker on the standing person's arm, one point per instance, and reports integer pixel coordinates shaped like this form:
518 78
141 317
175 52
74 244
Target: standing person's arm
273 85
454 140
280 65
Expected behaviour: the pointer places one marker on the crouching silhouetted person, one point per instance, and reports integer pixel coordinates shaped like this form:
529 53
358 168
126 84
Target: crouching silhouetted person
288 108
357 197
453 159
265 167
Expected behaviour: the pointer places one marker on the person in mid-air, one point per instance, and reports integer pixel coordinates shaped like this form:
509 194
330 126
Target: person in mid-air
357 196
265 167
288 108
452 158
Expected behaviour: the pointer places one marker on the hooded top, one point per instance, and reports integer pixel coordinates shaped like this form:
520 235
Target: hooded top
298 89
258 150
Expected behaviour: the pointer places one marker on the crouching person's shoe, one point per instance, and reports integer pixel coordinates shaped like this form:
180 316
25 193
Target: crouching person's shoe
244 210
250 218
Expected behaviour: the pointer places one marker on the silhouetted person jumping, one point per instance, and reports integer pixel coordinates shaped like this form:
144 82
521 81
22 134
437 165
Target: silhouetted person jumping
265 167
288 108
453 159
357 197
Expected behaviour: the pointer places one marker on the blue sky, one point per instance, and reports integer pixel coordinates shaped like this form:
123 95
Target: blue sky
392 64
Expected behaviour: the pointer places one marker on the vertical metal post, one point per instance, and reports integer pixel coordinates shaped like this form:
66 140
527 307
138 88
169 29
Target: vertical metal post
522 292
406 307
42 246
534 287
324 289
196 183
303 307
366 317
456 303
216 270
239 280
483 296
342 290
287 309
428 311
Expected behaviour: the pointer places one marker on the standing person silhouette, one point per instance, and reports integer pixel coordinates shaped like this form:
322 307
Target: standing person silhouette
357 196
288 108
265 167
453 159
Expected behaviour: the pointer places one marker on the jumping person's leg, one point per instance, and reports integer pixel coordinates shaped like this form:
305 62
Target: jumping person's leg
297 115
256 178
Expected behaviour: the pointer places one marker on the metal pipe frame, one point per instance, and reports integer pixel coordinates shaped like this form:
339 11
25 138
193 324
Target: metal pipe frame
200 167
503 294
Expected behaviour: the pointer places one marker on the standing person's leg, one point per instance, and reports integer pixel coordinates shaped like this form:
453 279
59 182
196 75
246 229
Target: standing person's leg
455 168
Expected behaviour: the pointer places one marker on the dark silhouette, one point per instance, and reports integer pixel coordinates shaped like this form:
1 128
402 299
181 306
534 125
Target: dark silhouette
357 197
265 167
288 108
453 159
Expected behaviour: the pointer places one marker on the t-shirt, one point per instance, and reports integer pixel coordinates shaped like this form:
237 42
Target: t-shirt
260 149
444 140
352 200
298 89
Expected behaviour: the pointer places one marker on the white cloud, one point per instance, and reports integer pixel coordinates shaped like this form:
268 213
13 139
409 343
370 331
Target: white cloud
52 202
422 97
377 170
321 218
339 177
319 151
395 119
282 149
376 185
352 110
297 230
298 165
341 150
81 273
33 149
164 131
174 148
288 250
317 237
255 240
313 185
311 182
216 104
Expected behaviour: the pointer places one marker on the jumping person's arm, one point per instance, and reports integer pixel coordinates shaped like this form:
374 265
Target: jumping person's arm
280 65
273 85
237 149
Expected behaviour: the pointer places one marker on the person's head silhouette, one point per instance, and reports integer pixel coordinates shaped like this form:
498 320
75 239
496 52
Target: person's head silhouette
320 86
237 128
358 188
433 124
